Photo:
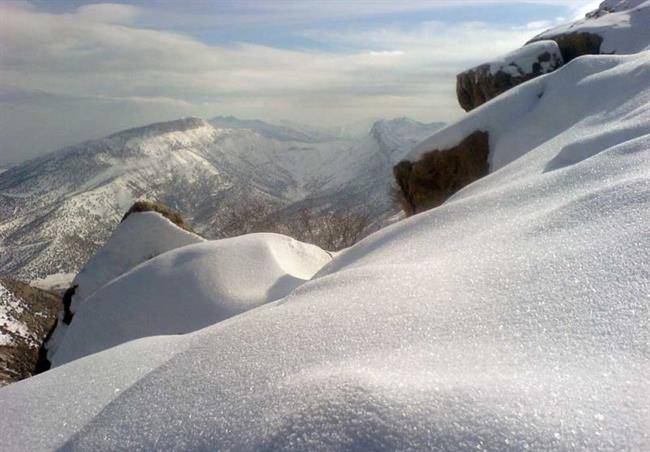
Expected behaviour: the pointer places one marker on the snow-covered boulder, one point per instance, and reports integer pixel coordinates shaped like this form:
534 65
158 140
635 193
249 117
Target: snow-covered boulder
616 27
478 85
538 111
140 236
434 170
190 288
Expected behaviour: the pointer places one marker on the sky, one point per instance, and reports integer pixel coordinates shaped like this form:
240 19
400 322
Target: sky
77 70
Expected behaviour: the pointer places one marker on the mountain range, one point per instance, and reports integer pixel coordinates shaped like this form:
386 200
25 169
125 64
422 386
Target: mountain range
222 174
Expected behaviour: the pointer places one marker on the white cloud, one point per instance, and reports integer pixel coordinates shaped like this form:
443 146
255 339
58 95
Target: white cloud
112 13
92 68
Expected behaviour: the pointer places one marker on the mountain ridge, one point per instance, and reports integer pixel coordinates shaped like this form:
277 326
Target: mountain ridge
56 209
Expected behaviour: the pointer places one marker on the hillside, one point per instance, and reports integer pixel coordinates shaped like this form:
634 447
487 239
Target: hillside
27 317
55 211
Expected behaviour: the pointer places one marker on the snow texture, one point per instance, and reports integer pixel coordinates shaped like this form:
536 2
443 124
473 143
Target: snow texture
512 317
188 289
140 237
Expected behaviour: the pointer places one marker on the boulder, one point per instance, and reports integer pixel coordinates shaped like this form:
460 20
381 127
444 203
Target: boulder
573 45
478 85
27 317
438 174
147 230
152 206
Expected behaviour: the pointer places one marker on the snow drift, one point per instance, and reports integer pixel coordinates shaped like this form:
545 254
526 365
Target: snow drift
138 238
141 236
513 316
190 288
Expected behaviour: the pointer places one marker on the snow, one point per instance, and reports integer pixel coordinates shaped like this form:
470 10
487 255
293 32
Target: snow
563 110
625 30
140 237
520 62
190 288
58 282
512 317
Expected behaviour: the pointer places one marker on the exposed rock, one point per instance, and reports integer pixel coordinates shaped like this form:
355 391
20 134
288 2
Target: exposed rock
478 85
27 317
573 45
150 206
436 176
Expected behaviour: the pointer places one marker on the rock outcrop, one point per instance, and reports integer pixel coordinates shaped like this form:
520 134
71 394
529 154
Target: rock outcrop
573 45
27 317
478 85
438 174
151 206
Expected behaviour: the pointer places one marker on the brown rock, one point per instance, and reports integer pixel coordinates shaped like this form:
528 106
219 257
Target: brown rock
478 85
37 311
573 45
150 206
439 174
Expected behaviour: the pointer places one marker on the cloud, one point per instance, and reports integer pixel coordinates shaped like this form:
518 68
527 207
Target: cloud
87 72
580 9
112 13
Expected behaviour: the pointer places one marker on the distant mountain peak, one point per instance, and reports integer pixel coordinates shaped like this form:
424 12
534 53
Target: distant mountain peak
396 132
268 130
158 128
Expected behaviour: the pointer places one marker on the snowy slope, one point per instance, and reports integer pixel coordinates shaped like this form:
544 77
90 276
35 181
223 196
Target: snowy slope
602 90
140 237
188 289
57 210
512 317
624 26
362 175
285 132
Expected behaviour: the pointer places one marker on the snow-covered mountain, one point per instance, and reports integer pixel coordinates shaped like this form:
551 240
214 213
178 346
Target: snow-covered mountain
282 132
56 210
